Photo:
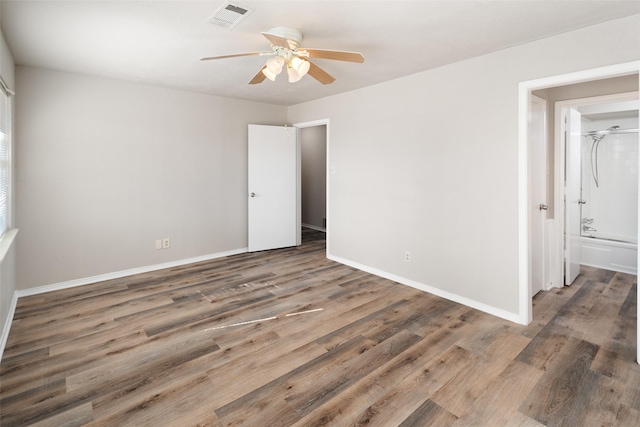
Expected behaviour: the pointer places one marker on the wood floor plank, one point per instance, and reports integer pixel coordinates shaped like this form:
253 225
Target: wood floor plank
619 286
555 399
520 420
617 357
501 398
335 317
154 356
267 403
627 416
102 308
288 337
429 414
109 404
361 325
259 370
386 381
13 363
187 398
62 366
25 396
545 346
469 384
44 339
77 416
329 385
602 403
631 397
405 398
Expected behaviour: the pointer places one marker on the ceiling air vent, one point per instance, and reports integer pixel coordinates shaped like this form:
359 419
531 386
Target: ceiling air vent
229 15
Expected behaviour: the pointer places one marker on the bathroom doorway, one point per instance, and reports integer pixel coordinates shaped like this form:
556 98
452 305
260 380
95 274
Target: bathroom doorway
603 81
600 138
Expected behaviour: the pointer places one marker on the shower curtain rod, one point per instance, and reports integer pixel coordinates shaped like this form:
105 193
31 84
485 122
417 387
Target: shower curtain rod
609 132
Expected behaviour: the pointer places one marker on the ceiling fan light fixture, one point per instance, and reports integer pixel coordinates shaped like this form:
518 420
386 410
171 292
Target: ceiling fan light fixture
275 64
301 66
286 51
270 75
294 76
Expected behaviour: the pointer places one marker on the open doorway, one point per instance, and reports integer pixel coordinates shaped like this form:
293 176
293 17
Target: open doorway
564 240
314 177
600 139
314 137
604 81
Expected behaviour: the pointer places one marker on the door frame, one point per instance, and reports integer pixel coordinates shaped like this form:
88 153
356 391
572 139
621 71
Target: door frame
524 92
314 123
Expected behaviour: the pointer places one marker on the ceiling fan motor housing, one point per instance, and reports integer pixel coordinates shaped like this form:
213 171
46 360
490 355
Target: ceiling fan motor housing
293 36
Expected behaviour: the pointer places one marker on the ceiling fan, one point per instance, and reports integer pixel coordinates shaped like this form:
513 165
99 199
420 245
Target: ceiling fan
286 52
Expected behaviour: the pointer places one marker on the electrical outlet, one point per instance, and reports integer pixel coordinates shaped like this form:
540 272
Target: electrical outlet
158 244
166 243
407 256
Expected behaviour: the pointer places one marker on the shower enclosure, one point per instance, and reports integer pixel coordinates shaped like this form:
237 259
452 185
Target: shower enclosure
609 190
610 179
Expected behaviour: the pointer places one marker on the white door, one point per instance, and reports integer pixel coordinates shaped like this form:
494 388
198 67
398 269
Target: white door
538 203
573 199
274 187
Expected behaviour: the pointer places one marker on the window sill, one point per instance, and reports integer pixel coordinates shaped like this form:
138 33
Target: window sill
7 241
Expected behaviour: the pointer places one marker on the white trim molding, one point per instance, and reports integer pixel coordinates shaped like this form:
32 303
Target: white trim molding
123 273
494 311
314 227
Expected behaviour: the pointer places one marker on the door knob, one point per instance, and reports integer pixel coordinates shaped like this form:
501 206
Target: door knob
582 202
252 194
543 207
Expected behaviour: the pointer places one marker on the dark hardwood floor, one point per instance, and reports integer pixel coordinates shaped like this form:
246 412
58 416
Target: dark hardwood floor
287 337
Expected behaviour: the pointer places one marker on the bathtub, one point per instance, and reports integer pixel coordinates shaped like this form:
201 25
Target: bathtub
609 254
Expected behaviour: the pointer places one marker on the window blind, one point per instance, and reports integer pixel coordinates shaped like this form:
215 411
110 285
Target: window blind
5 150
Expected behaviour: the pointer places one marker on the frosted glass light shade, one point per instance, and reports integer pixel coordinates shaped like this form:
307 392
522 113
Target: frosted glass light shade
301 66
293 75
271 76
275 64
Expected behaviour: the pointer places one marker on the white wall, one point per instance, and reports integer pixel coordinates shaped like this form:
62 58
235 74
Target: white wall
314 176
8 263
432 167
105 168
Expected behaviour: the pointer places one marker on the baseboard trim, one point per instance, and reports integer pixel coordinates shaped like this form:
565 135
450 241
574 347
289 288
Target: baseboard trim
7 324
123 273
512 317
314 227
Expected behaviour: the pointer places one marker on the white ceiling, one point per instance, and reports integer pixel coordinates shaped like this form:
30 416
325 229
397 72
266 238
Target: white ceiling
160 42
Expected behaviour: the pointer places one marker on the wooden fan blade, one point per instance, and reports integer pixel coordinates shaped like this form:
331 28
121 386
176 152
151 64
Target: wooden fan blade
320 75
276 40
208 58
338 55
259 77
